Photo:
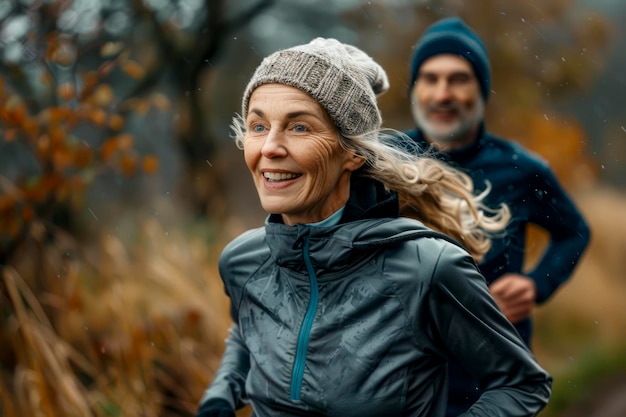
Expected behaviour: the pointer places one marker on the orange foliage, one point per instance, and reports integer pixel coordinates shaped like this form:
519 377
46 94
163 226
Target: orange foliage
562 142
67 163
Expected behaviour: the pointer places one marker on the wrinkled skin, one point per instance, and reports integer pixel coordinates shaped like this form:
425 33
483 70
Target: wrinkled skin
292 150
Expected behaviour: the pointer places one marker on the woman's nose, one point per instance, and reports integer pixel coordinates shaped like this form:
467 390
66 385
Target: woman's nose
274 145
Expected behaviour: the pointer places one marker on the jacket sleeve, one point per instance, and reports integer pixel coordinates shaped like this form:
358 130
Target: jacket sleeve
469 327
228 386
554 211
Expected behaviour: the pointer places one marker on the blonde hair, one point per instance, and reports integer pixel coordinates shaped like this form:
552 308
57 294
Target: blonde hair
440 196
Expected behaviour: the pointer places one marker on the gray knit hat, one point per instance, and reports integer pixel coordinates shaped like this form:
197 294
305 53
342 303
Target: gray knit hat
342 78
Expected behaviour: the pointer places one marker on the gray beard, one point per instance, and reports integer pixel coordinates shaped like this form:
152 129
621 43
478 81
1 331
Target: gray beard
455 134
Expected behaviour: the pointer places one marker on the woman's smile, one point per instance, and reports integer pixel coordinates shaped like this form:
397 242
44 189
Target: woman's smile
292 149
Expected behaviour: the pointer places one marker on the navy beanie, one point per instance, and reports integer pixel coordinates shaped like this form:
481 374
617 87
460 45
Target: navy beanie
452 36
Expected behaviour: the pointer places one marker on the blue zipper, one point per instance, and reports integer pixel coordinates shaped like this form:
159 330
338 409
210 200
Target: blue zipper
303 337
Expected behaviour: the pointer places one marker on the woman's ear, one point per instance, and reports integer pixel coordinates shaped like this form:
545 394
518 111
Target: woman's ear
354 161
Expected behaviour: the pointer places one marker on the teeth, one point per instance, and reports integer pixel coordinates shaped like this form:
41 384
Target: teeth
278 176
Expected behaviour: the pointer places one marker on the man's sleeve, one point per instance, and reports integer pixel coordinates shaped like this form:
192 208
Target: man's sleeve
553 210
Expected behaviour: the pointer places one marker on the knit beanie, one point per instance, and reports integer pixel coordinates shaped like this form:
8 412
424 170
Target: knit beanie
453 36
341 78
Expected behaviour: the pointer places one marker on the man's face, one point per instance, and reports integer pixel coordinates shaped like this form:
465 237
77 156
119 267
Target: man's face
446 101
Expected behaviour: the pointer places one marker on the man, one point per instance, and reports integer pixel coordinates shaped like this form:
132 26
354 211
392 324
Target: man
449 87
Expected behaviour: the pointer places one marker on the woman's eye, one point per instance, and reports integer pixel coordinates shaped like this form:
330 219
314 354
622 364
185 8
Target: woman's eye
258 128
299 128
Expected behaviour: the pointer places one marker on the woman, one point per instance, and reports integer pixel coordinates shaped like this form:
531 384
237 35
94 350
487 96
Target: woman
340 306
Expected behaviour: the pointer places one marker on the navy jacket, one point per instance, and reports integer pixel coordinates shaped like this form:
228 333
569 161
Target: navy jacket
528 186
526 183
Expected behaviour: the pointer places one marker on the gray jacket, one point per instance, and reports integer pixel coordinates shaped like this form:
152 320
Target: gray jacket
360 319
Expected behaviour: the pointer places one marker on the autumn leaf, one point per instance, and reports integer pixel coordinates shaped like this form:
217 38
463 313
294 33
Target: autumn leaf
133 69
103 95
61 159
125 141
97 116
7 202
150 164
66 91
90 82
128 164
116 122
28 214
83 155
110 49
161 102
10 134
108 148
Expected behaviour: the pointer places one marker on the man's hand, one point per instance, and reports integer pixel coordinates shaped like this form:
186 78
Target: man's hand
515 295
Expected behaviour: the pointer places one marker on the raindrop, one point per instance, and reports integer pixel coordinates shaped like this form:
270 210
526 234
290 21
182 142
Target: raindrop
208 163
93 214
563 59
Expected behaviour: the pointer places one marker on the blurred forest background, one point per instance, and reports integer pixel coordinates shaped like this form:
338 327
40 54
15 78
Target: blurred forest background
119 183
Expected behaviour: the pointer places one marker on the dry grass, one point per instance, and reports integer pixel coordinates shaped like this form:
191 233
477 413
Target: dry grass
137 328
114 331
581 332
588 312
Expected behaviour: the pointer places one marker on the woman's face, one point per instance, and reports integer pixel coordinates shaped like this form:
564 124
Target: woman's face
292 150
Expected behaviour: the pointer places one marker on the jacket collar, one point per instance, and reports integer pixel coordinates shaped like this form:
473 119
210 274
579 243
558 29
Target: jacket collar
458 154
332 249
368 200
